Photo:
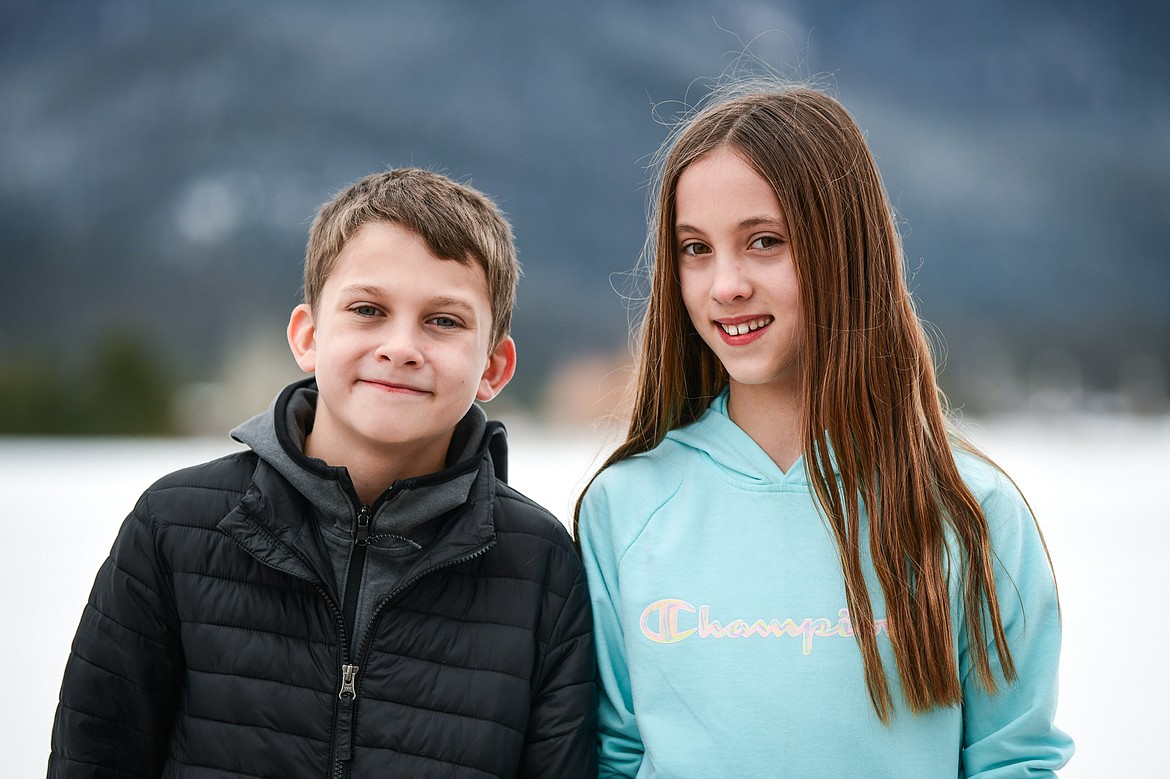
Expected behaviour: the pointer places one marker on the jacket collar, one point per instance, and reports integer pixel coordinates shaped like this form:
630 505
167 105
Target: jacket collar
452 509
406 509
273 524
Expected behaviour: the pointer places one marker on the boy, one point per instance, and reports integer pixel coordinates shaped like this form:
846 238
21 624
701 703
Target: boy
359 594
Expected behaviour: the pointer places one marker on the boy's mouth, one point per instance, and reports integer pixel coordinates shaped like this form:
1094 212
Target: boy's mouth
739 326
388 386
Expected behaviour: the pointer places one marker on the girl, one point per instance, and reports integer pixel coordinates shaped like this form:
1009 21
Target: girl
796 568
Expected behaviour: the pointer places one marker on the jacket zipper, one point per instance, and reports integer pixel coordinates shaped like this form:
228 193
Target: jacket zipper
344 649
347 694
344 725
357 564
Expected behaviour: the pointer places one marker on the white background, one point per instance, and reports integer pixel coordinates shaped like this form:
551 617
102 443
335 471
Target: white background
1100 486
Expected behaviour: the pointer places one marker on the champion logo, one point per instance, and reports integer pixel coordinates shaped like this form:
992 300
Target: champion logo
668 621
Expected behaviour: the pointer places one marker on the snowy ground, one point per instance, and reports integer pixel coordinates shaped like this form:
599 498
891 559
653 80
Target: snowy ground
1101 487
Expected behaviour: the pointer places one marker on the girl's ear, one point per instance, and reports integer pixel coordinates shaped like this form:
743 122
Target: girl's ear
302 337
501 366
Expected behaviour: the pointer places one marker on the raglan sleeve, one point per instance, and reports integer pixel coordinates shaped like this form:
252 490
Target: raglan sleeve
620 747
1012 732
121 682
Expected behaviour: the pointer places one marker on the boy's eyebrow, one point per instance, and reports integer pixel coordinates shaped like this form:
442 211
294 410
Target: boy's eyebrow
363 289
439 301
450 302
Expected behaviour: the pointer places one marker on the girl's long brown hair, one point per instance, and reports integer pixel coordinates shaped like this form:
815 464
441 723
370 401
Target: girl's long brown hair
869 385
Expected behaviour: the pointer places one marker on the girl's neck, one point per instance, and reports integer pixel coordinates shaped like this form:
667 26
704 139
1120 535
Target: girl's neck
773 419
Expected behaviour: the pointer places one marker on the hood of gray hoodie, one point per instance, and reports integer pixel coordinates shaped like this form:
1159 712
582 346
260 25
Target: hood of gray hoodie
405 520
278 436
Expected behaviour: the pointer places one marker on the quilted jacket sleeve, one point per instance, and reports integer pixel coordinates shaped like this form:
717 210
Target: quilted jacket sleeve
563 723
121 682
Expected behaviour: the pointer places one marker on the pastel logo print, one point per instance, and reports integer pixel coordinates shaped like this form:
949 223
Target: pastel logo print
667 621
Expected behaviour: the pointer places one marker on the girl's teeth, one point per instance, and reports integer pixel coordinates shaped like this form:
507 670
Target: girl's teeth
743 328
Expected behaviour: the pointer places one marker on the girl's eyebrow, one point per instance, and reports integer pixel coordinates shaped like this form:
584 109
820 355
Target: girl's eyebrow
756 221
746 224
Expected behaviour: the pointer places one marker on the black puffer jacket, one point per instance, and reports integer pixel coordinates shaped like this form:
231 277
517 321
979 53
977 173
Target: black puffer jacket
214 643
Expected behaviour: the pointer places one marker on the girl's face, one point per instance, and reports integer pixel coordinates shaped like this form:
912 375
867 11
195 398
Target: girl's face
738 274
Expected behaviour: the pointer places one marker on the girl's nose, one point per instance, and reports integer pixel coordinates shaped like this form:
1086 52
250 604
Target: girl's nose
730 283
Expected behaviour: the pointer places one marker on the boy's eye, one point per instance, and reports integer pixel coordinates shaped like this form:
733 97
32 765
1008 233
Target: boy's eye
444 321
365 310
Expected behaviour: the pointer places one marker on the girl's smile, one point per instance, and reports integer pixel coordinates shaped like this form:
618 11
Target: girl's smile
736 330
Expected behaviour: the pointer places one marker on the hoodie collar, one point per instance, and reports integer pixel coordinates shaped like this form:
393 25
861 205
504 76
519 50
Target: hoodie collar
733 450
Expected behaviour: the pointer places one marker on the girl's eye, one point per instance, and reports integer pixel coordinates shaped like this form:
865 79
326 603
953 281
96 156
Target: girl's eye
765 242
695 248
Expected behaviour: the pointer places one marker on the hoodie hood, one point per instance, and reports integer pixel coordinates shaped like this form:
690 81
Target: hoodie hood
738 456
278 437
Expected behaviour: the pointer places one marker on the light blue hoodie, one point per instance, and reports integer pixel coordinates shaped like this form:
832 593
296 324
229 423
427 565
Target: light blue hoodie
724 644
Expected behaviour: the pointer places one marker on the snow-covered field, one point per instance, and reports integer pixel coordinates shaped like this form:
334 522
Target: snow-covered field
1101 487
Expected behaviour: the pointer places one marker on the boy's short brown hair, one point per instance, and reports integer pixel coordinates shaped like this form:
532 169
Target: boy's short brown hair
457 222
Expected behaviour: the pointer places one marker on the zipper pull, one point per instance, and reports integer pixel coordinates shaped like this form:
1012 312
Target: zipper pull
348 675
343 723
363 527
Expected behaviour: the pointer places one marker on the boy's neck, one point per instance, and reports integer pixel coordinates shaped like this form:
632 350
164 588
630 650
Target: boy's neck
373 469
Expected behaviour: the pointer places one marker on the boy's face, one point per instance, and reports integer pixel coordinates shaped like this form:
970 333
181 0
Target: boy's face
401 346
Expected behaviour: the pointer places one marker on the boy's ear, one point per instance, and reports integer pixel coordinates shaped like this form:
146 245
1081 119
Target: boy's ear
302 337
500 368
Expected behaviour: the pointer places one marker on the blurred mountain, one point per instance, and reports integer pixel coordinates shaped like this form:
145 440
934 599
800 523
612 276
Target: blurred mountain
160 163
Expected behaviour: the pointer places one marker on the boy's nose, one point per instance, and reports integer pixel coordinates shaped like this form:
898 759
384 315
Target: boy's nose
400 348
729 282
